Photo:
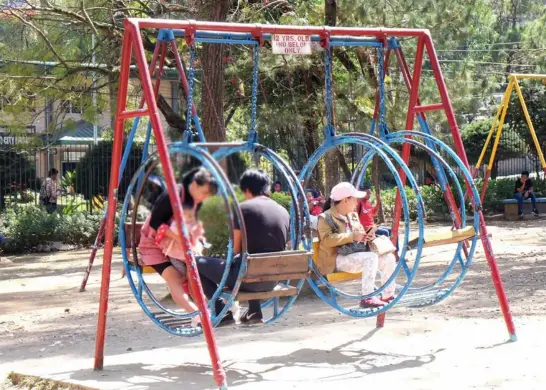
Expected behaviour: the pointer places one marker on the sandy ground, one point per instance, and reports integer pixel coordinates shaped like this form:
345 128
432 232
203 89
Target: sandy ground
47 328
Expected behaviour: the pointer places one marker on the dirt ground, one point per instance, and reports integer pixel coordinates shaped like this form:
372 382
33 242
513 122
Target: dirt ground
47 329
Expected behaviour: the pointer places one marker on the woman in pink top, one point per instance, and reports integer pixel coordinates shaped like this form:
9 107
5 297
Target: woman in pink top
159 240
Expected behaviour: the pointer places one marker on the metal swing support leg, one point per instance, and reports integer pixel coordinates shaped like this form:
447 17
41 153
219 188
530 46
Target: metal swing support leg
132 44
447 192
165 39
497 130
100 234
425 43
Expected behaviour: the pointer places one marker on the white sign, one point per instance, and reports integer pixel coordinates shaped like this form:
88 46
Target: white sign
291 44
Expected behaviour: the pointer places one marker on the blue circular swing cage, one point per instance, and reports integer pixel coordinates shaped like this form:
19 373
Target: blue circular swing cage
381 146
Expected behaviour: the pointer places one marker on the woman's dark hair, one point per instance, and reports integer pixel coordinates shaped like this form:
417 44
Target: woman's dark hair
201 176
328 204
256 181
53 171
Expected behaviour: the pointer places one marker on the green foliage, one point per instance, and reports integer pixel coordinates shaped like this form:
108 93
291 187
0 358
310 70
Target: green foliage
214 217
68 181
30 226
18 170
475 134
93 170
284 199
535 100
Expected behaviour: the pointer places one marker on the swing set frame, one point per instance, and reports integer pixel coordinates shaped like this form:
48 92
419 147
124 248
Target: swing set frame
498 123
133 46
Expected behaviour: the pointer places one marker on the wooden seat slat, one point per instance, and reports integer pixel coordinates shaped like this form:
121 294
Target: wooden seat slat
280 290
445 238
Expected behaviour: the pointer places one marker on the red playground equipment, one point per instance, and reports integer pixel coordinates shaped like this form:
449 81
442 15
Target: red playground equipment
133 48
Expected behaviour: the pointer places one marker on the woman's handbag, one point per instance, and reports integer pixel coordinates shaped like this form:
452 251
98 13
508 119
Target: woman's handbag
346 249
381 245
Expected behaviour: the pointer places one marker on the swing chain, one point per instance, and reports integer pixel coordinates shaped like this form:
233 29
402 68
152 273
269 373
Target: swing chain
382 108
329 130
253 134
188 133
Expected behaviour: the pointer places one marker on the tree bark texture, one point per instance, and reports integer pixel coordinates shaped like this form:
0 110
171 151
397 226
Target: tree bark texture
331 158
211 56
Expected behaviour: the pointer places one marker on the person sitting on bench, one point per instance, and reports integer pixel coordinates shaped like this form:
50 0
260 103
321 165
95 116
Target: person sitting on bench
523 189
267 225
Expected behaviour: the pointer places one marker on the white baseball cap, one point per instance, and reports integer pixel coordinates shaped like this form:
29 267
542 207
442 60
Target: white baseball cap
345 190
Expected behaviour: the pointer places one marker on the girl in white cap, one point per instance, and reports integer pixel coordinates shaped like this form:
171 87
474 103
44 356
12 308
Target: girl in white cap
339 226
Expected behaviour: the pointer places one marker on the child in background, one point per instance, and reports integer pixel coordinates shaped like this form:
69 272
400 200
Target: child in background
367 212
315 204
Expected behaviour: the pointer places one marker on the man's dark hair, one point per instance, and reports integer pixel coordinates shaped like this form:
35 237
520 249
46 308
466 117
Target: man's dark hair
256 181
201 176
364 187
525 173
53 171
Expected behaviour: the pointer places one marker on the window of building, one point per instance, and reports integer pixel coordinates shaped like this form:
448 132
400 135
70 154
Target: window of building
71 106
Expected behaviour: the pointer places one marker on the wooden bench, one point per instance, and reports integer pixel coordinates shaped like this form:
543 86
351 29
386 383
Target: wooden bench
261 267
511 207
275 266
445 238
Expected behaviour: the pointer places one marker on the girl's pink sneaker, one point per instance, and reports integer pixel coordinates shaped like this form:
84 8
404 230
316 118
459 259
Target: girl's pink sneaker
371 302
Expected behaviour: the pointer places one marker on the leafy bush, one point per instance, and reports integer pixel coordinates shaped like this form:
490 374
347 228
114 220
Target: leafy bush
284 199
214 217
27 227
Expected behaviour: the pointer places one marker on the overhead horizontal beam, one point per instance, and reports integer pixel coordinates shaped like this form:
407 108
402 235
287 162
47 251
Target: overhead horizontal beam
260 29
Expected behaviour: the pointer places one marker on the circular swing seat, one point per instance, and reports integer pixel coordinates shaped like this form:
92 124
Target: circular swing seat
406 295
291 265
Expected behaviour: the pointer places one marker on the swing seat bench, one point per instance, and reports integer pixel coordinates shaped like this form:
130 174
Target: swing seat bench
445 238
511 207
275 266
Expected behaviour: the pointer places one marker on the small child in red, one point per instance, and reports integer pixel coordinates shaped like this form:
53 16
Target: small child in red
366 210
367 213
315 204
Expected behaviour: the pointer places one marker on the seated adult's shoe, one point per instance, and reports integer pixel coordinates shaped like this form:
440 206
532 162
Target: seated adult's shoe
535 212
227 320
255 318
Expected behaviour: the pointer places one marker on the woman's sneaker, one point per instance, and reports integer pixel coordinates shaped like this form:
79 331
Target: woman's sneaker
535 212
371 302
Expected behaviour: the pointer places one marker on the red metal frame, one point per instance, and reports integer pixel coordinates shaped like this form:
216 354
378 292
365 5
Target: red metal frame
160 54
132 43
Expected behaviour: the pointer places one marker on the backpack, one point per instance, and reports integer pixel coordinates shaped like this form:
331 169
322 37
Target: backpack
44 199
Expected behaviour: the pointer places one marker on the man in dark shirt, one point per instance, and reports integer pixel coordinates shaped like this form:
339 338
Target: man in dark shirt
267 224
523 189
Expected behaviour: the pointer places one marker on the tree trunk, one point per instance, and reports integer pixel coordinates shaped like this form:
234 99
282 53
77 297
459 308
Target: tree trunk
331 160
212 64
113 83
310 136
377 187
